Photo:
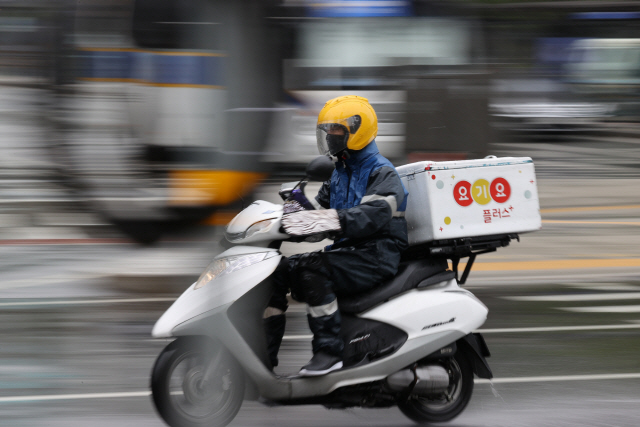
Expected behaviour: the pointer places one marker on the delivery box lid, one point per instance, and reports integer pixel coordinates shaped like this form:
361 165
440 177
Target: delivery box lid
489 161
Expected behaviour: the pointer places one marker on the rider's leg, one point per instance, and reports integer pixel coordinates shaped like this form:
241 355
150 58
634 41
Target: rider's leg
274 325
274 319
322 314
314 287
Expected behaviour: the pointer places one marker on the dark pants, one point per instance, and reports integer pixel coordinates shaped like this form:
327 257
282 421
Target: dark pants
319 278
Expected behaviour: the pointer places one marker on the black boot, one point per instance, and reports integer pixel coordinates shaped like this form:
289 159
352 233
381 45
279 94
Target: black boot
274 330
321 363
327 345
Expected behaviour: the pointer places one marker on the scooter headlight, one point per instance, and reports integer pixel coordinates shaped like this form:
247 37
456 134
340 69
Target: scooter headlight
222 266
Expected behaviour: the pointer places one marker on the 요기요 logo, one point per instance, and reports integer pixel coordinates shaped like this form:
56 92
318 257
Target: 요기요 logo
481 191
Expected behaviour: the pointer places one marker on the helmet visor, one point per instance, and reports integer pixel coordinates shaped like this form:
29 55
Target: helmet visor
329 141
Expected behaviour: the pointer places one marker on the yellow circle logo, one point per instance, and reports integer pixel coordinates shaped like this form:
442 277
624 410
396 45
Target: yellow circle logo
447 220
480 192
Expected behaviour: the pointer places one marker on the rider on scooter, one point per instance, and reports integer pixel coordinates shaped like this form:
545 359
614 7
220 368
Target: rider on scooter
362 207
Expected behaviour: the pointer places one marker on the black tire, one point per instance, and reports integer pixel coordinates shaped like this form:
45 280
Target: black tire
449 405
179 394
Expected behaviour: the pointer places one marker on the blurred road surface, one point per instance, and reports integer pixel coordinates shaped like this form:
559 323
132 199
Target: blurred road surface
564 352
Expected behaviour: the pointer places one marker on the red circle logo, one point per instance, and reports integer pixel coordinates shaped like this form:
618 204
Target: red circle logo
500 190
462 193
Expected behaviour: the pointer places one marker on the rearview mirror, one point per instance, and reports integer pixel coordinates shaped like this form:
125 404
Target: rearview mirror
320 169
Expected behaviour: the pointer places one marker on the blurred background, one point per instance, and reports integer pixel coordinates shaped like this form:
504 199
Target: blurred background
146 117
131 131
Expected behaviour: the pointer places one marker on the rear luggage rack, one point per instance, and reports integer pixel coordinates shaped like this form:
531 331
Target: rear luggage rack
455 249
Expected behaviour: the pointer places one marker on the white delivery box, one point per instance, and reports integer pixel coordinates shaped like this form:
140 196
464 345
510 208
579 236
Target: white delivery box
483 197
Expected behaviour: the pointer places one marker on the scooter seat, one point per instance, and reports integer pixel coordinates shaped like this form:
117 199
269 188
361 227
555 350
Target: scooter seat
411 274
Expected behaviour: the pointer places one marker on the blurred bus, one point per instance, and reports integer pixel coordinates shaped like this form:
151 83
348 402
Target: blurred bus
164 108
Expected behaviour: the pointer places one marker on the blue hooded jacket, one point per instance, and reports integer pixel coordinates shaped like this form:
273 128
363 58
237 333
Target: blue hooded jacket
370 199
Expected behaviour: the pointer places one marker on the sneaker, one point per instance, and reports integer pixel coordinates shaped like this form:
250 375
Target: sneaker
321 363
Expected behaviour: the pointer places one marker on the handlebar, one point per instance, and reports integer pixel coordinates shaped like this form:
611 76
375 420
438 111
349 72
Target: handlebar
296 194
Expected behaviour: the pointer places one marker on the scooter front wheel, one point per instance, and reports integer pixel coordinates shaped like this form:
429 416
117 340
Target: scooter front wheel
450 404
195 383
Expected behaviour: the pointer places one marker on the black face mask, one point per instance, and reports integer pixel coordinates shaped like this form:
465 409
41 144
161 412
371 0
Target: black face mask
337 143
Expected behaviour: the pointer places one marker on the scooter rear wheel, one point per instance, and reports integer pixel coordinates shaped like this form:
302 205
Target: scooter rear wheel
449 405
195 383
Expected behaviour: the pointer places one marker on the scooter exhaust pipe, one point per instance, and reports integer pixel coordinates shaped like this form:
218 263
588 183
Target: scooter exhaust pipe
431 379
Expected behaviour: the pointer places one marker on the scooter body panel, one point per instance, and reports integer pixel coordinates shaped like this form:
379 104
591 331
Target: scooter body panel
423 312
222 291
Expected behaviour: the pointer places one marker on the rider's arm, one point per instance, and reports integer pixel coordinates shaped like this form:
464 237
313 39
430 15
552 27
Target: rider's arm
380 203
384 196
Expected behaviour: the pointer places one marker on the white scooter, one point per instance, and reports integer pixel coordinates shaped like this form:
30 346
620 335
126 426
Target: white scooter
409 342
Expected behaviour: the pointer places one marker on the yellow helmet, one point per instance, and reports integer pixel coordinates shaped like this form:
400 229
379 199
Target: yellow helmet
355 116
